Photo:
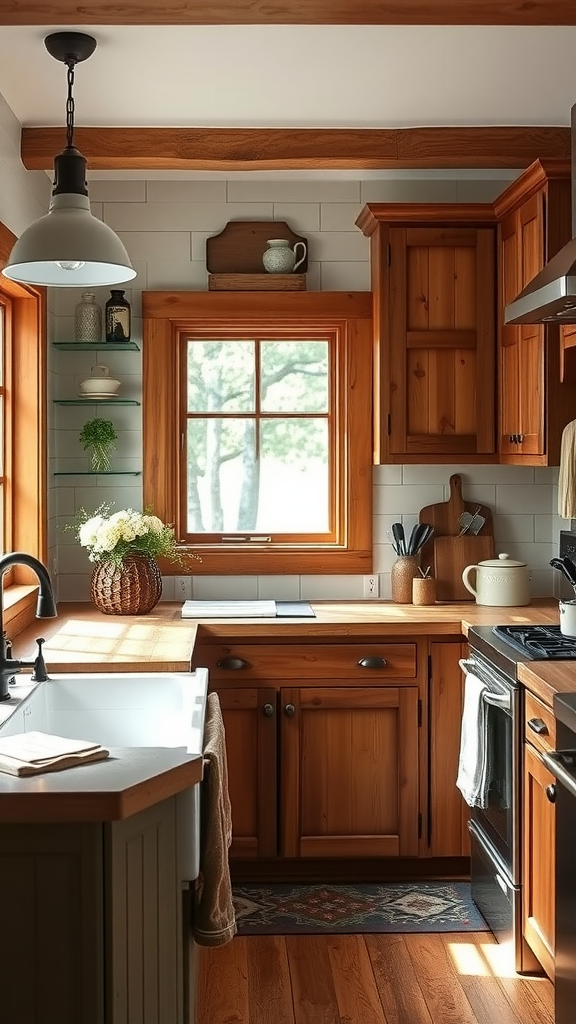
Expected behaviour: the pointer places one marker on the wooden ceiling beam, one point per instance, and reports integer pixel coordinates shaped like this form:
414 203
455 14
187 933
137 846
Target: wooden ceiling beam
288 12
235 149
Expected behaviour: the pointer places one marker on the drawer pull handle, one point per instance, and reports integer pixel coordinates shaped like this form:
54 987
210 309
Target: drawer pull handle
537 725
290 710
374 661
551 793
232 663
268 710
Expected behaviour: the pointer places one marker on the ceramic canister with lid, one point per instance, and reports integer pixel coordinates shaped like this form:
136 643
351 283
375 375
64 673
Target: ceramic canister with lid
500 582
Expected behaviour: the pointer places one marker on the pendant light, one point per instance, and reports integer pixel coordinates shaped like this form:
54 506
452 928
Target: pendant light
68 247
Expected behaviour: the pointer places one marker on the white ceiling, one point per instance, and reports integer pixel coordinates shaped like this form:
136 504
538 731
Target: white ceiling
297 76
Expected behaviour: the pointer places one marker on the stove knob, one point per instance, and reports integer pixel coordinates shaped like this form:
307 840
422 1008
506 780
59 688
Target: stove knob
551 793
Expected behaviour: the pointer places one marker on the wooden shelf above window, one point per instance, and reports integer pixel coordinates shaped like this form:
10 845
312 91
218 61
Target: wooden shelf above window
257 282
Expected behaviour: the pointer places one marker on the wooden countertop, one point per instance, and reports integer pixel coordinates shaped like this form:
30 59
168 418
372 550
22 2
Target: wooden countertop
130 780
162 640
545 678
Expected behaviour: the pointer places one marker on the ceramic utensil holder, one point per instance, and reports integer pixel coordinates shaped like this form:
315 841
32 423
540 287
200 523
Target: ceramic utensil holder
423 590
404 571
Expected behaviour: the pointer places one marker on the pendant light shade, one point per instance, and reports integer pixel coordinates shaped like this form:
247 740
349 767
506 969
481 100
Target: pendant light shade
68 247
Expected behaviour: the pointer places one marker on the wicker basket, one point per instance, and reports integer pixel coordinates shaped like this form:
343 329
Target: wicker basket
129 589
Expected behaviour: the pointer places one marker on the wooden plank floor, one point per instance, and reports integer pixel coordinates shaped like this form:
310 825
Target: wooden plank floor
459 978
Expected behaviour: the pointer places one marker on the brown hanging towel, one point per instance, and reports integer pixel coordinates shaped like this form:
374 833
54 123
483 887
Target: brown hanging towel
214 920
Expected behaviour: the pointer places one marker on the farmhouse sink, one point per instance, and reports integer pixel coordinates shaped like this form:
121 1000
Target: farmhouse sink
122 709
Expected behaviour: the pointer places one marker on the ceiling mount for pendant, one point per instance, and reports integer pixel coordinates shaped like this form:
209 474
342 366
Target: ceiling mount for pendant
70 47
69 247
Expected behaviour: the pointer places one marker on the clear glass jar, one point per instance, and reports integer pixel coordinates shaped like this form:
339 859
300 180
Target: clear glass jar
118 317
88 320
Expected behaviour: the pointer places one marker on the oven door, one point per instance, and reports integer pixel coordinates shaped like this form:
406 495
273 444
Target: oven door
497 821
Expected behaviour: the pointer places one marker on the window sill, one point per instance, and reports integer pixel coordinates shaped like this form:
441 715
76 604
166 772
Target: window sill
19 608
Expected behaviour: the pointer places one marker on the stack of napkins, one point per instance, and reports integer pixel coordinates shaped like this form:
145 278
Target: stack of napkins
30 753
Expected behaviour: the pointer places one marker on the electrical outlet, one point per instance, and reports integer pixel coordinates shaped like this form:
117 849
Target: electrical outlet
183 588
371 586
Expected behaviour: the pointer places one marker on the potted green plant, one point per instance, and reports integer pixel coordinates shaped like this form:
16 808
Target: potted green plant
99 435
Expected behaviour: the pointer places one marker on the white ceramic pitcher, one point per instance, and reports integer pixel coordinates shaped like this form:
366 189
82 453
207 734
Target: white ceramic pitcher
280 258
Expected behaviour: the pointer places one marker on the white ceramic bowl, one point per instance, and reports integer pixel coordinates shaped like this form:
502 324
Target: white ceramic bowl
101 383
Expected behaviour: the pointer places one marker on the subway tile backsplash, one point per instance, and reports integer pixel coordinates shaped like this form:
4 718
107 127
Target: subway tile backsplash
164 224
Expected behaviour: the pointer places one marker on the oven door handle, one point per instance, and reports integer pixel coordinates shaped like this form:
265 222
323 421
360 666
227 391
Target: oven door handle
498 700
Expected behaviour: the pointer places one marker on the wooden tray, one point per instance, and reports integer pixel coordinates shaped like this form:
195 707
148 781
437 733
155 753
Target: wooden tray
239 248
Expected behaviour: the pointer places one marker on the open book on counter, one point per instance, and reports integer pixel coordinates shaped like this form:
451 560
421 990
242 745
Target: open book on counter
31 753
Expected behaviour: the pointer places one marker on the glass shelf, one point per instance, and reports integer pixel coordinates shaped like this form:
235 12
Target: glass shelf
95 401
90 472
97 346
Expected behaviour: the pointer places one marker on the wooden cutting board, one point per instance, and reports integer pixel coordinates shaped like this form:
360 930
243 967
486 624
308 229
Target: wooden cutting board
451 556
448 553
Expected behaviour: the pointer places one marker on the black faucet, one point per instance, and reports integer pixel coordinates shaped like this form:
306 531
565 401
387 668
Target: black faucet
45 609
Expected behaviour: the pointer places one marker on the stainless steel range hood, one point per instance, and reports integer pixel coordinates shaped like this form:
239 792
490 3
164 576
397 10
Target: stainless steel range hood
551 295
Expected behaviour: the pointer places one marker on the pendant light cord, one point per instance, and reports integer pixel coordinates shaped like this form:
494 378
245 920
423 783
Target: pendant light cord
70 63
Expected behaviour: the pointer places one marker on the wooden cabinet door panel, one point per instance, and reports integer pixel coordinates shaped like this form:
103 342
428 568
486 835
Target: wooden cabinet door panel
349 771
441 325
448 812
250 723
539 859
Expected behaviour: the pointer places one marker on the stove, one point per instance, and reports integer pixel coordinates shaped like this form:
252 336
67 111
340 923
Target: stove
507 646
538 643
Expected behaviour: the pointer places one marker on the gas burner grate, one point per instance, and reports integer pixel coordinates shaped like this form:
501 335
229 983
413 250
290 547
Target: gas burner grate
540 643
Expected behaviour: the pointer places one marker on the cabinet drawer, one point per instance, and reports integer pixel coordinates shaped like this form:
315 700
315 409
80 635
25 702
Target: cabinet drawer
367 662
539 723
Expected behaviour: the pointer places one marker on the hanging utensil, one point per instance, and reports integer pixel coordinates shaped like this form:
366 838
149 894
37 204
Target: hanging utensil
569 571
477 523
466 520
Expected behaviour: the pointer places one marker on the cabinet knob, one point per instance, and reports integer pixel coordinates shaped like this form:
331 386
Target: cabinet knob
232 663
373 661
268 710
551 793
537 725
289 710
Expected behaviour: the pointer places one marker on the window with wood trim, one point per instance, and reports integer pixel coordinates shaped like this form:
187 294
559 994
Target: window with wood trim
257 428
23 428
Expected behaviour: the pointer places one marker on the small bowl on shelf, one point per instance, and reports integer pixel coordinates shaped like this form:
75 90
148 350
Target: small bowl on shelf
100 383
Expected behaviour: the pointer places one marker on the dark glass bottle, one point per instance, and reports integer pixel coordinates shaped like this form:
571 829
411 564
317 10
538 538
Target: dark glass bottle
118 317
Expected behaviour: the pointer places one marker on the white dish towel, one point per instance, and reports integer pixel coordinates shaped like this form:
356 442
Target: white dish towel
567 473
473 768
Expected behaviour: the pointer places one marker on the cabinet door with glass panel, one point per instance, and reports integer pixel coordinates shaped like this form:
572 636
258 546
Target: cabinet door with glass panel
257 432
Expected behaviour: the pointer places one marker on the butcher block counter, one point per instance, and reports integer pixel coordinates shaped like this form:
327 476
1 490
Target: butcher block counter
82 637
162 640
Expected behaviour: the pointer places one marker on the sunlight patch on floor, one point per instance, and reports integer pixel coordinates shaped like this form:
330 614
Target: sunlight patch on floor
468 959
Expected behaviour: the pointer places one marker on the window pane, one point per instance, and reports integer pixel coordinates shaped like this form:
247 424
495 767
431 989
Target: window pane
283 488
220 376
294 376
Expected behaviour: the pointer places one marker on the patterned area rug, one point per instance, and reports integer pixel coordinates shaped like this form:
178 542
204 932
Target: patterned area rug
342 909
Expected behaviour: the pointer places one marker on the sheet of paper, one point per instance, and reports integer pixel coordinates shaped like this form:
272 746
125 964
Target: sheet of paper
228 609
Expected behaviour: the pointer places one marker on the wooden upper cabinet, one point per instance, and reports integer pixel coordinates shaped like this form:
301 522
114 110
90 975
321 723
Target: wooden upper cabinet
536 397
433 282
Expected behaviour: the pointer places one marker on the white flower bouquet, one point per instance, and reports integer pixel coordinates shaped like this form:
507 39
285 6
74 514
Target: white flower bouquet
114 536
